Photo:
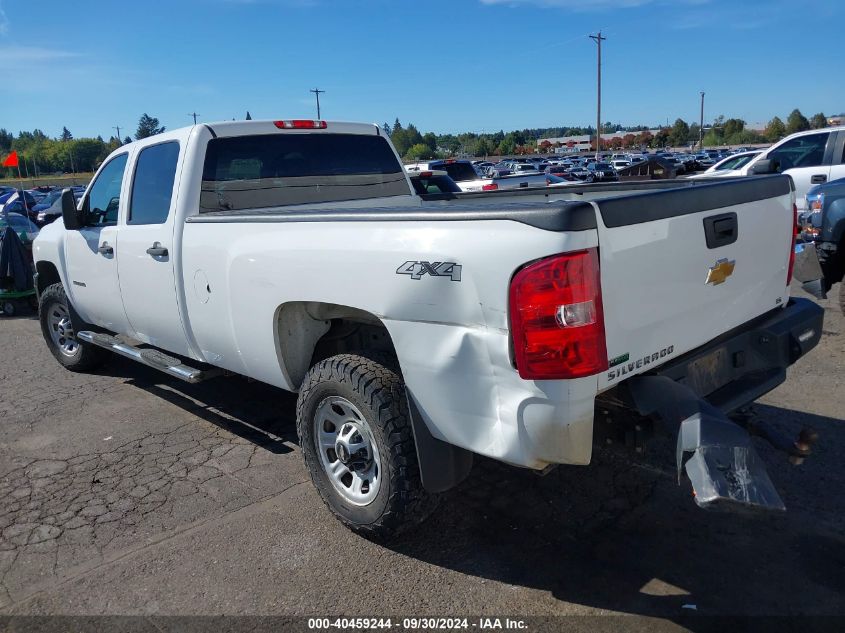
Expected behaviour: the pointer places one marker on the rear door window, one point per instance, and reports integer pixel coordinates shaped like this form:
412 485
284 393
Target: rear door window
270 170
152 187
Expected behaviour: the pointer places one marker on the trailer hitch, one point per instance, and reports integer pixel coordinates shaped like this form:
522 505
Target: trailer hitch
723 467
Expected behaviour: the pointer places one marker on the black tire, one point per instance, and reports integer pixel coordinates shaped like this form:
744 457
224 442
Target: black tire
376 389
9 308
86 357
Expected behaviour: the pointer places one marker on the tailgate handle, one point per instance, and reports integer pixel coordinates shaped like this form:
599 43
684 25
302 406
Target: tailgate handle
721 230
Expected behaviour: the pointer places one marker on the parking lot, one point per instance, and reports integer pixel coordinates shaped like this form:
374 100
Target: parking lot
127 492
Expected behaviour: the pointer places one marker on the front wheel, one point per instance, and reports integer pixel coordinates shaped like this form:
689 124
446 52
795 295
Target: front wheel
358 445
59 334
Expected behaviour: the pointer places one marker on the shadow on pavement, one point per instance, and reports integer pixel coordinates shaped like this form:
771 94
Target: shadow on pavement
256 412
622 535
618 535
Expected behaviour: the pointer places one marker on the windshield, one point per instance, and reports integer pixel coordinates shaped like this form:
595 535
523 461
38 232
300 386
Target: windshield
52 197
434 184
459 172
18 222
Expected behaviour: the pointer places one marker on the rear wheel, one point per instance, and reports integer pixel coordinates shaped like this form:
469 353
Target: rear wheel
59 334
357 442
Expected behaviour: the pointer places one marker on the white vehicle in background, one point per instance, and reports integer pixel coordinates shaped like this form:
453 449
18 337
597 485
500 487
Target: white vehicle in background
728 167
419 332
621 163
463 172
810 158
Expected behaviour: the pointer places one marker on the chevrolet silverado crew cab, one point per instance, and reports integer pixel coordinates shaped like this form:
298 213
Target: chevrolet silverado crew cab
420 331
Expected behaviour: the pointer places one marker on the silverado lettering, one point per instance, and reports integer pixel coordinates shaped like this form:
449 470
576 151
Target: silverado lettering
632 366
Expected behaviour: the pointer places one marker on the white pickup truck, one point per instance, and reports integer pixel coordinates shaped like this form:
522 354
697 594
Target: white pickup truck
419 332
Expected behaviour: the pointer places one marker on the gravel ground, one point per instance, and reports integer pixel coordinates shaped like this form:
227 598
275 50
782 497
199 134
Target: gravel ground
128 493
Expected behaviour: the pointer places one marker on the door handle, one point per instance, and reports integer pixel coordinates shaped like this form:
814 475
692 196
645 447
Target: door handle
157 250
818 179
105 249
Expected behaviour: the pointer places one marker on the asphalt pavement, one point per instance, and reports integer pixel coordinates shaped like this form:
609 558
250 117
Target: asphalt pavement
126 492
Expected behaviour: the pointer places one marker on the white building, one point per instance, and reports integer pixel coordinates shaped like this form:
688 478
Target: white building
581 143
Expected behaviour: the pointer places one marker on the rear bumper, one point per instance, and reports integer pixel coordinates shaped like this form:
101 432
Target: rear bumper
740 366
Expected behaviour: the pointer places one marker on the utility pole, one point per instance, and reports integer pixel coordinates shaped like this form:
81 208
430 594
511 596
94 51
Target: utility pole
195 115
119 139
598 39
701 124
317 92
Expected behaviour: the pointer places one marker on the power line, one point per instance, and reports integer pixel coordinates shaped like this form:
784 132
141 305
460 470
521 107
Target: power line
195 115
598 39
317 92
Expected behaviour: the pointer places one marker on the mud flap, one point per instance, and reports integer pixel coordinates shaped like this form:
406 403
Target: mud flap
724 469
808 270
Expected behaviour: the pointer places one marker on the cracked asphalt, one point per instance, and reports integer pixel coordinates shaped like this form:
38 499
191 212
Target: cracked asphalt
128 493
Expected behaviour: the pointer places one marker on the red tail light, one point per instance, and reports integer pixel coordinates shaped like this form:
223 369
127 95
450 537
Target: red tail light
301 124
491 187
795 230
426 174
556 316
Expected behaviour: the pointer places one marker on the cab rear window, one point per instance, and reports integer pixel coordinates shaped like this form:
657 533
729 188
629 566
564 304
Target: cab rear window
271 170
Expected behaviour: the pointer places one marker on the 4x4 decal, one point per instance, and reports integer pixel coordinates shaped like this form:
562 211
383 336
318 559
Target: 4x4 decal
436 269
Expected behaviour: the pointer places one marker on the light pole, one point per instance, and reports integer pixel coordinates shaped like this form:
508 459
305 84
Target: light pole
317 92
701 124
598 39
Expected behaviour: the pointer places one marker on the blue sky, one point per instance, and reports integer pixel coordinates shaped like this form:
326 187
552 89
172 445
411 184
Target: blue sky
445 65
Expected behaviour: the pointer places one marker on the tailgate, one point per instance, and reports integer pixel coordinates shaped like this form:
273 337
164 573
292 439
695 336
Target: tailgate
667 291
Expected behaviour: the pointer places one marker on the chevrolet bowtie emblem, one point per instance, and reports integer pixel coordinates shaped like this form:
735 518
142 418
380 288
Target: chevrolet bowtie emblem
720 272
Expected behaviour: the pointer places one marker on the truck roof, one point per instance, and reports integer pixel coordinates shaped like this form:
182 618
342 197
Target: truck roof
310 126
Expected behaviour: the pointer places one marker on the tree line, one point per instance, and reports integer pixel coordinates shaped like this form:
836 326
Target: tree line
40 154
411 144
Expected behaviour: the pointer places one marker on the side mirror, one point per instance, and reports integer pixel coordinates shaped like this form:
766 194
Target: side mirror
764 166
71 217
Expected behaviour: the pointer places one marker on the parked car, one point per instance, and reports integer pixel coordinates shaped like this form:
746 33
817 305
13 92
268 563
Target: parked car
728 167
810 158
580 171
54 211
48 200
13 202
822 224
704 160
601 172
26 229
520 181
459 170
561 171
430 182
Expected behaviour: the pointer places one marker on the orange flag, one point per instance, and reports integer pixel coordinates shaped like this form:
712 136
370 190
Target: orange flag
11 160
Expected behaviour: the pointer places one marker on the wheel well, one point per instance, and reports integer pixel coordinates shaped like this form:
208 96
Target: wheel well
308 332
48 275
